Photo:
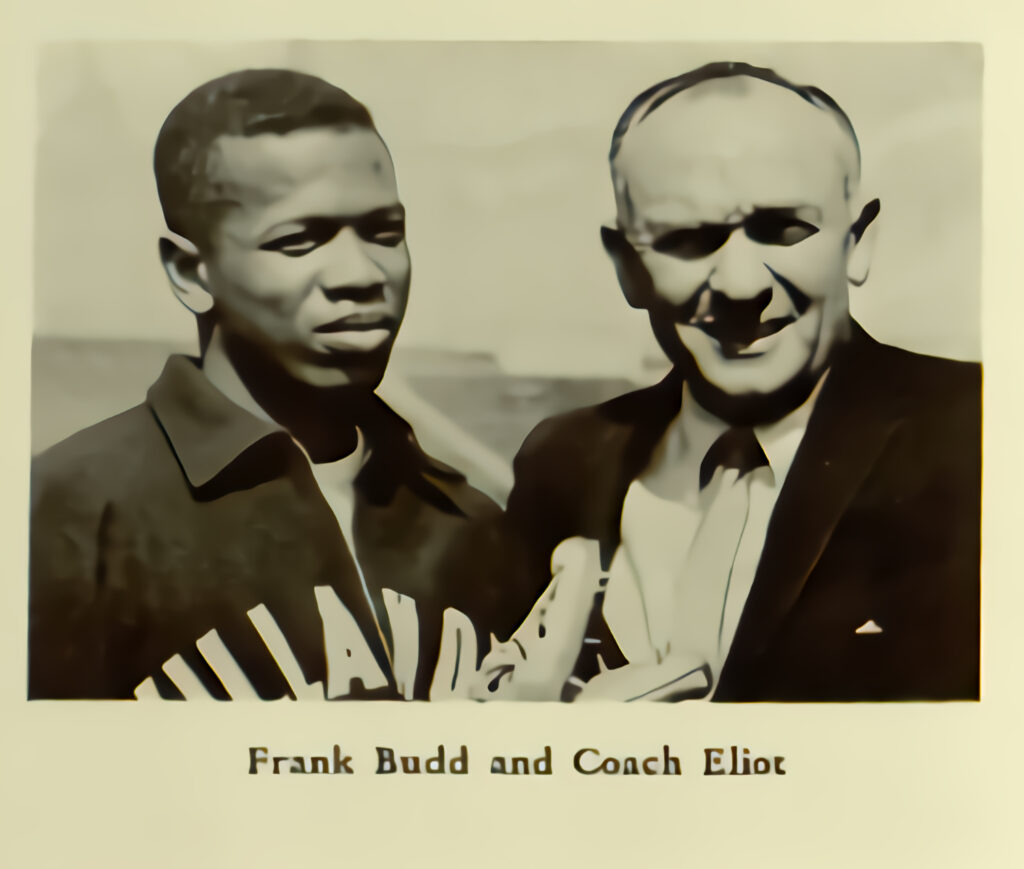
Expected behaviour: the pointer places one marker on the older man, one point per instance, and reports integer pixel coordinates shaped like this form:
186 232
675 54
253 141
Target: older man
263 525
793 513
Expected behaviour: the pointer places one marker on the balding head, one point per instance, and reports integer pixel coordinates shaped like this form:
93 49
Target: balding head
736 194
714 114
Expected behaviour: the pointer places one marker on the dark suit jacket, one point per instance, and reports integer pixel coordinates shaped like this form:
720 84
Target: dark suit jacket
179 515
879 519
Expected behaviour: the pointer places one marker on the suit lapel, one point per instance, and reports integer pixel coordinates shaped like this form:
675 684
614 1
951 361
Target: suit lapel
845 437
638 423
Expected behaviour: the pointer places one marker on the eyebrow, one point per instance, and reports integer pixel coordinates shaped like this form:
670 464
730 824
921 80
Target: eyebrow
799 212
387 212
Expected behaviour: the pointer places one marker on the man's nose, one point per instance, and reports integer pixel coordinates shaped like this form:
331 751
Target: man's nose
349 273
738 270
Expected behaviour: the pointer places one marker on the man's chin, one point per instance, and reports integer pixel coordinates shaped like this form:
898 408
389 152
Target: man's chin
741 391
744 390
320 378
748 375
752 407
362 369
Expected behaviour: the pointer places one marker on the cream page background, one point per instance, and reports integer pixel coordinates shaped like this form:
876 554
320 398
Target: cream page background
90 784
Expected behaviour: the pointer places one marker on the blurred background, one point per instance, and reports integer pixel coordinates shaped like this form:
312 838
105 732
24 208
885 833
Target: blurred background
501 156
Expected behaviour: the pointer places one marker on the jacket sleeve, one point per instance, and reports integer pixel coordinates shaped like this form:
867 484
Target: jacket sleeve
65 626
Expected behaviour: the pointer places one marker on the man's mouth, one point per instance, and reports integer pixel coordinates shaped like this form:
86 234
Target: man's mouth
358 323
358 333
735 324
735 337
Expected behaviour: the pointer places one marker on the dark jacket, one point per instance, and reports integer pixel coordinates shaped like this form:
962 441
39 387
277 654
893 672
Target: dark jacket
879 519
181 514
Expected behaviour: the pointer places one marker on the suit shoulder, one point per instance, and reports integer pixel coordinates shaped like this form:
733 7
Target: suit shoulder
915 385
576 458
930 374
581 433
937 404
558 434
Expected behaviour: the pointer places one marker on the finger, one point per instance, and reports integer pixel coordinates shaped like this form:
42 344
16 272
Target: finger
548 641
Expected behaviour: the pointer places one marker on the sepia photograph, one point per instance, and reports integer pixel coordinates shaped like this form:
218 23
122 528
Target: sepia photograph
506 371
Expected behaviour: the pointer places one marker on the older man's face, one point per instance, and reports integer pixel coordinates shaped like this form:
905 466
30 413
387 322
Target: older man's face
734 194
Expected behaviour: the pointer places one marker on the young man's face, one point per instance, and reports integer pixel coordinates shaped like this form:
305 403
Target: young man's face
309 265
736 203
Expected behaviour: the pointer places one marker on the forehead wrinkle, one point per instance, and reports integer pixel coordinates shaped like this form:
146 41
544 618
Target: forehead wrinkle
670 145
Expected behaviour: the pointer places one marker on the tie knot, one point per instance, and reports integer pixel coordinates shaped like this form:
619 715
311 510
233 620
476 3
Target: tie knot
737 448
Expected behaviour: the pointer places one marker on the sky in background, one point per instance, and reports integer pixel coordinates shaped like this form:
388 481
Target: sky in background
501 155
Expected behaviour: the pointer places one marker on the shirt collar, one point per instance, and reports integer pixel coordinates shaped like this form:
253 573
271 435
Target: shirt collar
694 430
781 439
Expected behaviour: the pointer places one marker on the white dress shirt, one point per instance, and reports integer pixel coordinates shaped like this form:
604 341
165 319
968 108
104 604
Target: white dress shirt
663 511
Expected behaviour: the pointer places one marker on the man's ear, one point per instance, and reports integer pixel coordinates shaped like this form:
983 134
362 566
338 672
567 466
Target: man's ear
187 272
634 278
862 241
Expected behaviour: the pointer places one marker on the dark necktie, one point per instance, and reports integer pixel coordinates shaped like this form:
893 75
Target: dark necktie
737 448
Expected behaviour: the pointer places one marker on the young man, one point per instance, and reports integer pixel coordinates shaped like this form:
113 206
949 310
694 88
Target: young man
794 512
263 525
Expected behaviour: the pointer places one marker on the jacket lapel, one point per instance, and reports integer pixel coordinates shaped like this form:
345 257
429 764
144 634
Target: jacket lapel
845 437
638 422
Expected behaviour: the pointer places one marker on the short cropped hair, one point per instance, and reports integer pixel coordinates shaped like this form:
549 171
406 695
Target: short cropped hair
649 101
244 103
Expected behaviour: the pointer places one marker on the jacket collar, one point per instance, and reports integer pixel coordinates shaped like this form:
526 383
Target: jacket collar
206 430
209 433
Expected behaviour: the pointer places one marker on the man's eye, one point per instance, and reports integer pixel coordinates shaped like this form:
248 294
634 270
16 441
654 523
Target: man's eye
389 234
292 245
301 243
778 229
694 243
